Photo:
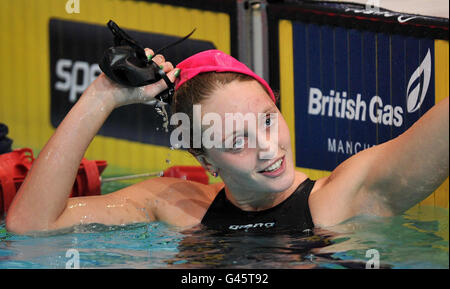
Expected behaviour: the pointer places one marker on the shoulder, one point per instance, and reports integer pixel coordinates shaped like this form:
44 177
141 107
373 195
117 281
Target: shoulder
344 193
176 201
325 203
167 188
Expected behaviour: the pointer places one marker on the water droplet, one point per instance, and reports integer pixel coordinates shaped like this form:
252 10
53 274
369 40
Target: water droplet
160 108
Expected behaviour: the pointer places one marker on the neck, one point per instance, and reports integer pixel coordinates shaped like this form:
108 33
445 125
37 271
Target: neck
259 201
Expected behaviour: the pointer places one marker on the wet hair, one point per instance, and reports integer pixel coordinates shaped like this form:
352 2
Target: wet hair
197 89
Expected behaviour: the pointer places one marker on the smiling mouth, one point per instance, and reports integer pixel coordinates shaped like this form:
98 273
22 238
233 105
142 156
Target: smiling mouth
273 167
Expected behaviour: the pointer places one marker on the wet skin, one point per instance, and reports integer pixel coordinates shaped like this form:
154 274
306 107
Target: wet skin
373 182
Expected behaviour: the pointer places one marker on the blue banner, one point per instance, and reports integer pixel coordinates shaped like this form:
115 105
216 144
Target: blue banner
356 89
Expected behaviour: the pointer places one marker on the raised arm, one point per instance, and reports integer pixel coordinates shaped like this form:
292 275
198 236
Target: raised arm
43 196
389 178
413 165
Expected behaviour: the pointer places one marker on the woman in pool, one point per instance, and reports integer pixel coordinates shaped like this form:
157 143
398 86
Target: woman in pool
257 193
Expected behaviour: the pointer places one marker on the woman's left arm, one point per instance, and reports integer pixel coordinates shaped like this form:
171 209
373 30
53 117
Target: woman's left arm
389 178
410 167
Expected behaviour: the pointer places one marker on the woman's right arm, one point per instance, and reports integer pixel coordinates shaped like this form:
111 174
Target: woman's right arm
43 197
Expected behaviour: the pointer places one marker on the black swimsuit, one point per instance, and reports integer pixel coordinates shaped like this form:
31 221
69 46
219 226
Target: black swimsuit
292 214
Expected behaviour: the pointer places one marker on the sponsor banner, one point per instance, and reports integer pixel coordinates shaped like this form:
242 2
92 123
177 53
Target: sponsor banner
355 89
75 50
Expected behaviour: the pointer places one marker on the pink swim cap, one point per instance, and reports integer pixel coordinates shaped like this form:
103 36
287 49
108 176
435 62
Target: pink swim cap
217 61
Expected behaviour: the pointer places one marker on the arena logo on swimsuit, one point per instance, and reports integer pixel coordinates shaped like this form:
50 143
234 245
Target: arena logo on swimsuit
251 226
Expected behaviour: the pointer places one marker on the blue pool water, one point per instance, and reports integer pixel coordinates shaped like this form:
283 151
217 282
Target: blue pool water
417 239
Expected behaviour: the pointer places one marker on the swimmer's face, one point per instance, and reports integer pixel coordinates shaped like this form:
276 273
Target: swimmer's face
266 166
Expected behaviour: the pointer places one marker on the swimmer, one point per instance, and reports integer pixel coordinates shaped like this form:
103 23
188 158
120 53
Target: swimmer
256 193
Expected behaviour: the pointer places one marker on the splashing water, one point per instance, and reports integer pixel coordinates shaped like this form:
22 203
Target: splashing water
160 108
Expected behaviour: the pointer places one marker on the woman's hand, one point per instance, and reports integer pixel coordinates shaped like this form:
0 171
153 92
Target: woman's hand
122 95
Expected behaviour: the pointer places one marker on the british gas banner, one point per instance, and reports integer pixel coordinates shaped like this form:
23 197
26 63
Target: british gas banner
355 89
351 78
